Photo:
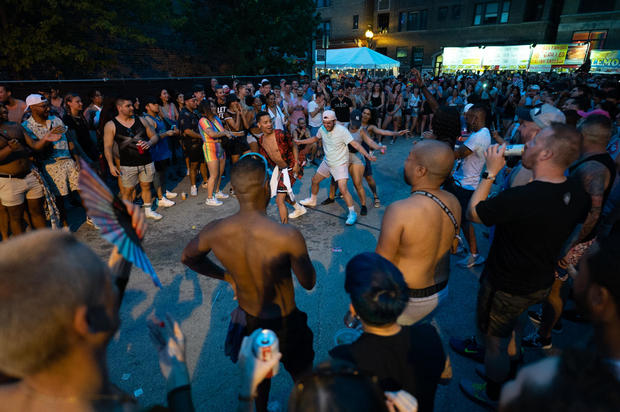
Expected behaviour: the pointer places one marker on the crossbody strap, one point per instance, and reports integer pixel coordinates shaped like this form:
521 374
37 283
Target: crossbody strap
442 205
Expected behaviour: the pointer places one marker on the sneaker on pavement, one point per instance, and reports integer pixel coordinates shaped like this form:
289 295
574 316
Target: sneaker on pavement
213 202
477 392
535 341
204 185
220 195
308 202
165 202
193 191
468 347
328 201
363 211
471 260
536 318
297 212
170 195
151 214
351 219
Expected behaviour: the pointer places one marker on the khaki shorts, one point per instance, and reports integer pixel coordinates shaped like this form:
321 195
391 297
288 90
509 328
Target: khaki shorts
64 176
131 175
339 172
13 191
356 159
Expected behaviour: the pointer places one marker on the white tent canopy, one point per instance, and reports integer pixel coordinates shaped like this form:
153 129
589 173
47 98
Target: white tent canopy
357 58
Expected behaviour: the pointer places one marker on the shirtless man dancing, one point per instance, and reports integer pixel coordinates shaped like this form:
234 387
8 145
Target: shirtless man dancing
418 232
258 255
280 151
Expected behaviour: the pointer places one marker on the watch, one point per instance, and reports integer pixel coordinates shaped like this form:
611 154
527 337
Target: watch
488 176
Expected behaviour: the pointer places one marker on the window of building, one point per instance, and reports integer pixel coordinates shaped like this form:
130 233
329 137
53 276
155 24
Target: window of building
596 38
491 13
323 3
534 10
383 4
401 52
443 13
593 6
383 22
456 11
382 50
417 57
413 20
356 21
325 33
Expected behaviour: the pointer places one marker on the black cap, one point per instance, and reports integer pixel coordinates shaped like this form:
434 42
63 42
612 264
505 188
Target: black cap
356 118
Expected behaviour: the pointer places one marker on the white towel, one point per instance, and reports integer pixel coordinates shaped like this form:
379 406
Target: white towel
286 179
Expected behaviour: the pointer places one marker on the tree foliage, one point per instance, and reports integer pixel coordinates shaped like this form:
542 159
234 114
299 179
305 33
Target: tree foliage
85 38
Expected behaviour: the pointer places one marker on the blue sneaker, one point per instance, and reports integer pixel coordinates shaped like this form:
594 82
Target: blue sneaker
351 219
469 348
477 392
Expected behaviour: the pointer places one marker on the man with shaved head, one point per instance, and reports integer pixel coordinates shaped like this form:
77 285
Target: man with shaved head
258 254
418 232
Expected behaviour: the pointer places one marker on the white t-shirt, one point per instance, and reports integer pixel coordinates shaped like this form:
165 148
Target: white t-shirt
317 119
335 145
467 173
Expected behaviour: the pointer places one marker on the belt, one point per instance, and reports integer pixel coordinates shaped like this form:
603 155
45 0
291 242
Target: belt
17 176
429 291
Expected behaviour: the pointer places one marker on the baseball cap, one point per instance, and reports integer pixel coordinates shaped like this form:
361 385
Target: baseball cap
535 87
33 99
329 115
542 115
356 118
264 81
467 107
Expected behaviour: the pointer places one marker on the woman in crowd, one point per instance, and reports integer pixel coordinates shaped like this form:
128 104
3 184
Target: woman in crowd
170 114
78 126
377 102
415 101
395 114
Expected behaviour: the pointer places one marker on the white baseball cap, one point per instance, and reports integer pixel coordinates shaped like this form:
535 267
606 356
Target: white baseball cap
33 99
329 115
467 107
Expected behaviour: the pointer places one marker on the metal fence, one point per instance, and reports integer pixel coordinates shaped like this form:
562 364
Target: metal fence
138 87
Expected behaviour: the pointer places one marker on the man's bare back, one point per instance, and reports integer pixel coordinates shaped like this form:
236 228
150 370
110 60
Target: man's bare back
417 235
258 255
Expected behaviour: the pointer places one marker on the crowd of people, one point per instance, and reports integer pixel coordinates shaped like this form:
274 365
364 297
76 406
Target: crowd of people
552 211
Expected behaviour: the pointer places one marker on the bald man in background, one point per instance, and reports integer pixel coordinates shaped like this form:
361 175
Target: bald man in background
418 232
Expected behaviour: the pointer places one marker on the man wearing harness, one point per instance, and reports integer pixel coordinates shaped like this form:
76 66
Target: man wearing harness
134 138
17 181
596 171
278 147
418 232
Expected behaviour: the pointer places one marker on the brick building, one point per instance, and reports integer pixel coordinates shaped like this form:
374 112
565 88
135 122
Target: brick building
414 31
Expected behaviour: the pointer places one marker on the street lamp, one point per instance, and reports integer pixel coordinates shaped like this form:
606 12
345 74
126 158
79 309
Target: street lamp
369 35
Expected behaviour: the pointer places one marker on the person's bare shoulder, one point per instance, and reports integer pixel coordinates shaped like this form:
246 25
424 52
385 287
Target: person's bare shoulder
11 396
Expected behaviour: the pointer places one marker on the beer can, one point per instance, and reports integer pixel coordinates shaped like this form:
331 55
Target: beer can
183 195
265 346
514 150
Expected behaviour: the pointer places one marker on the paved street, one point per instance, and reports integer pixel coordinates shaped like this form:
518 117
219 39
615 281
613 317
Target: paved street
203 305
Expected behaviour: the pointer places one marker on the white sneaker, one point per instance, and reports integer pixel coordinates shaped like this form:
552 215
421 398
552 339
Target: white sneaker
193 191
187 174
213 202
308 202
220 195
297 212
151 214
170 195
164 202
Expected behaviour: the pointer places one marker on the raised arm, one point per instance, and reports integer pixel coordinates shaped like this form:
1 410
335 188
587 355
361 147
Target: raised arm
428 95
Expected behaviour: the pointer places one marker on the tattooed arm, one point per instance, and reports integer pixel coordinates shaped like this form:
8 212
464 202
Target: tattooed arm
595 178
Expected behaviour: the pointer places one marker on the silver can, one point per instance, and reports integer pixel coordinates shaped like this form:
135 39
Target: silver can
265 346
514 150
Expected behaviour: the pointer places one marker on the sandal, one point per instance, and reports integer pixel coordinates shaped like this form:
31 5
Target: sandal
377 202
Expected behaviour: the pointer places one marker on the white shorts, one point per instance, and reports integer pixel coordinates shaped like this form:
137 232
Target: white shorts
339 172
419 308
13 190
131 175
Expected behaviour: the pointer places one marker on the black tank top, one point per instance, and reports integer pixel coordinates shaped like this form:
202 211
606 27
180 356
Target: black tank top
606 160
375 101
126 138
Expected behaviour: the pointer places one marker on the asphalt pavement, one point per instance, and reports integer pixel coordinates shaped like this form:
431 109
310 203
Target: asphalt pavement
203 305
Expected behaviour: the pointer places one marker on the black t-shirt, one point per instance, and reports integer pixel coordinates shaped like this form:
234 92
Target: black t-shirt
221 111
411 360
533 222
188 120
341 107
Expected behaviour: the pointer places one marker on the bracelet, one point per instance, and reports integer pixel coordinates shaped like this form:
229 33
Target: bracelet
244 398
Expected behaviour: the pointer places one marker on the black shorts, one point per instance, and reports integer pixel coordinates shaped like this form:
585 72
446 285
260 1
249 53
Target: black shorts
463 195
236 146
161 165
497 311
193 149
295 340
